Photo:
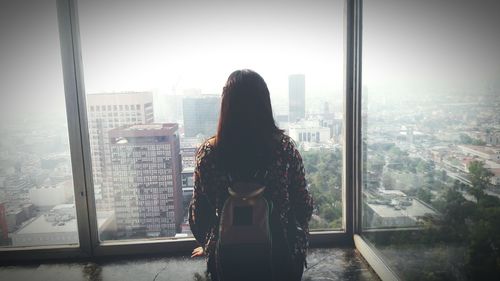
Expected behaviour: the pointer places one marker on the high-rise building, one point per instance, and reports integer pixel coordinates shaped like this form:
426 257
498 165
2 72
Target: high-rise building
201 114
146 178
296 97
4 230
105 112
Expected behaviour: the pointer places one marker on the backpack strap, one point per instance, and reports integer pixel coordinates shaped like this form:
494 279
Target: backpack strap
246 190
211 141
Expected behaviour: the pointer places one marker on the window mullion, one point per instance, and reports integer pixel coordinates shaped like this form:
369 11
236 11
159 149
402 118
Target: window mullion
352 118
76 114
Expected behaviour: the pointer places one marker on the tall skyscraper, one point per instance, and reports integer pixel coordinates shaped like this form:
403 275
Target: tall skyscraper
146 178
105 112
296 97
201 114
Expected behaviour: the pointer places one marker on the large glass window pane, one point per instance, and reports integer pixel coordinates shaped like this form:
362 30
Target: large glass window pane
154 72
37 206
431 127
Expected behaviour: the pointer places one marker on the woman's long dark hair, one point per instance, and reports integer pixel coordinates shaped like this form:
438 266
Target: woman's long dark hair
246 134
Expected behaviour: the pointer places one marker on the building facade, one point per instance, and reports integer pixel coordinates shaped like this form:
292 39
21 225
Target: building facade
51 195
189 146
4 230
187 185
309 131
146 179
296 97
201 114
107 111
493 138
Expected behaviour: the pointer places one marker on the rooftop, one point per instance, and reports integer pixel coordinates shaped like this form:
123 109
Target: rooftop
41 225
149 127
482 149
145 130
188 170
415 210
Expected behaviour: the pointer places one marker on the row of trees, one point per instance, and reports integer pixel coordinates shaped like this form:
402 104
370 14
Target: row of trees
324 178
471 224
464 238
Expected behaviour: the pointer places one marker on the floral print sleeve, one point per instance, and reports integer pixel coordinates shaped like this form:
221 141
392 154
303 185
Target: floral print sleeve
301 201
201 210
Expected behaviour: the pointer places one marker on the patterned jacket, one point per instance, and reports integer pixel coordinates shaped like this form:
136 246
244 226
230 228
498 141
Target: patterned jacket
286 186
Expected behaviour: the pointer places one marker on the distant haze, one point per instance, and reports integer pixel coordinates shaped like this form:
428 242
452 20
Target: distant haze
175 45
169 46
437 45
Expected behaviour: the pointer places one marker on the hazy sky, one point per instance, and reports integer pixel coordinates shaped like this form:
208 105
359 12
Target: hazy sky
427 44
174 45
30 58
197 44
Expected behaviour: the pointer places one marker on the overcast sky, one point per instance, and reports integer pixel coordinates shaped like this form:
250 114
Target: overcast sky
197 44
431 44
168 46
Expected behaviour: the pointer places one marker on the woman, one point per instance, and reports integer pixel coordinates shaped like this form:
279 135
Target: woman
248 141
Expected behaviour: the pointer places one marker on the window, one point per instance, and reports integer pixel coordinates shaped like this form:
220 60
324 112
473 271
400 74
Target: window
37 205
431 206
182 85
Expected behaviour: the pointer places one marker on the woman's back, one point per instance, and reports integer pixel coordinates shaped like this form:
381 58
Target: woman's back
285 188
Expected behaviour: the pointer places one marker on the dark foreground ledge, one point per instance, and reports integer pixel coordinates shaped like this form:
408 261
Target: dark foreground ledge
324 264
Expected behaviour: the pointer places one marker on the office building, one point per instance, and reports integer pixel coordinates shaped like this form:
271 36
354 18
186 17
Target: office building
146 179
105 112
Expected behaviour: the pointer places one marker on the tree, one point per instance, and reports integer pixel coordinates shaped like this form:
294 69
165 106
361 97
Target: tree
480 178
324 177
466 139
424 194
467 231
387 181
